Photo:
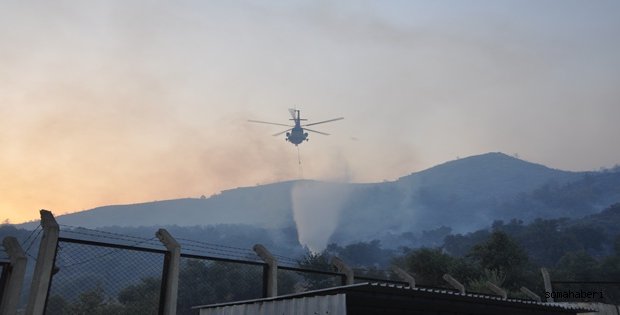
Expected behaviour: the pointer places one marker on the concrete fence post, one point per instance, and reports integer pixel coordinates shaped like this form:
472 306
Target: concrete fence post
497 290
10 295
44 267
547 282
170 277
531 294
342 267
404 275
270 272
454 283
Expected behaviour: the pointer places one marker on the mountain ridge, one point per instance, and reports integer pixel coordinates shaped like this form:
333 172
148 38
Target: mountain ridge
463 194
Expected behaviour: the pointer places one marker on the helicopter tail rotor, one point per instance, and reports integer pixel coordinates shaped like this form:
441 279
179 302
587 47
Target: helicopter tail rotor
293 113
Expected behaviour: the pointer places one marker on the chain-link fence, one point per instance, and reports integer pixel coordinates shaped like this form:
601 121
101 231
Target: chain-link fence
204 280
30 245
105 277
4 256
98 272
4 274
296 280
106 273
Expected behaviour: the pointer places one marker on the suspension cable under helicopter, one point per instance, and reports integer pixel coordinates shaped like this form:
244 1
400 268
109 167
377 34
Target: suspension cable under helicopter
301 170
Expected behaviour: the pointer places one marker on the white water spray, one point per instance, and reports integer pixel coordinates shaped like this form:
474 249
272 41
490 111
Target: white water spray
316 210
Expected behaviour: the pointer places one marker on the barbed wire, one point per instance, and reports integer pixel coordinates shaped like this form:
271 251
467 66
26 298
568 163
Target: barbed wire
110 252
101 231
366 269
219 249
210 245
223 252
288 262
30 235
150 241
242 258
33 240
228 249
201 247
3 253
106 234
286 258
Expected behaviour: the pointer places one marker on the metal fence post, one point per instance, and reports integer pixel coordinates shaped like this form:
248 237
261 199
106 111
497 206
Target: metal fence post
45 264
454 283
531 294
404 275
170 275
17 270
270 272
497 290
547 281
342 267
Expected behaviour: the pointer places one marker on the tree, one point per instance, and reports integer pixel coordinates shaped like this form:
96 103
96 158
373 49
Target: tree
194 286
363 253
502 254
576 266
93 302
480 284
610 269
460 245
141 298
610 266
428 266
234 282
56 305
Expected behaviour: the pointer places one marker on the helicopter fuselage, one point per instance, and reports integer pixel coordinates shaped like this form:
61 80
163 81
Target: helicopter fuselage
297 132
296 135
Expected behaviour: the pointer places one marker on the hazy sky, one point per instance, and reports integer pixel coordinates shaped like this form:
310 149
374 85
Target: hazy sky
107 102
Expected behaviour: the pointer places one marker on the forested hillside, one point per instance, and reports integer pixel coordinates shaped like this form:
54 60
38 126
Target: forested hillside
462 195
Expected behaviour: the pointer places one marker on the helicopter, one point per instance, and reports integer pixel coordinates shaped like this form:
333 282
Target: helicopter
295 134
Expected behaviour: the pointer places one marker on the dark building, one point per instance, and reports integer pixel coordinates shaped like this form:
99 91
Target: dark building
374 298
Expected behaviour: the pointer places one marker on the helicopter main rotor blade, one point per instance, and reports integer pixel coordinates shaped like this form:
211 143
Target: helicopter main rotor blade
268 123
279 133
324 121
319 132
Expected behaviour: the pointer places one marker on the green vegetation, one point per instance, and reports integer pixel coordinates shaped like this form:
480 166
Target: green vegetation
508 254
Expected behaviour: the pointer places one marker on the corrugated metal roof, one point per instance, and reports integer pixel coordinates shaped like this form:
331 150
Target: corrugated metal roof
307 305
358 295
477 296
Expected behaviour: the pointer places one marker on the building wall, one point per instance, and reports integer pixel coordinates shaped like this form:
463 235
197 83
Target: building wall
327 304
